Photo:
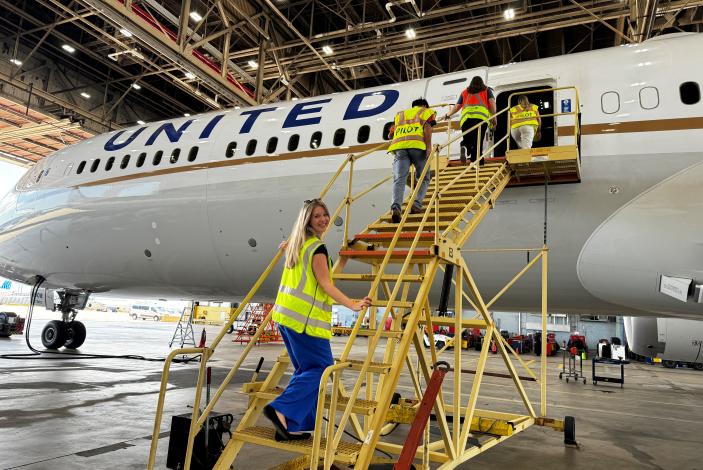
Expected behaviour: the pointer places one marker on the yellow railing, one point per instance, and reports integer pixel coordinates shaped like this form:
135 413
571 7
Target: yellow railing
430 216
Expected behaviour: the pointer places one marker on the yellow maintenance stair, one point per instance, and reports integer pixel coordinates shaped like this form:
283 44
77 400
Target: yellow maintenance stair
399 264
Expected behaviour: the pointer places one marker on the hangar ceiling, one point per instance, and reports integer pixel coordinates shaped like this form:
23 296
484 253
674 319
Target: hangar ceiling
91 66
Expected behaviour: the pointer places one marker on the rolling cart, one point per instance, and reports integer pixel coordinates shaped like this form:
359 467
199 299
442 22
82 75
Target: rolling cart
572 371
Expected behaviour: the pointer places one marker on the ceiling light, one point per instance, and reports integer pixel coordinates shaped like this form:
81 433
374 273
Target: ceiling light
16 62
509 14
237 107
253 64
410 33
68 48
186 114
136 86
196 16
126 33
327 50
85 95
190 75
141 123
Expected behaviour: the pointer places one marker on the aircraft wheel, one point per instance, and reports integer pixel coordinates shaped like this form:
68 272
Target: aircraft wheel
669 364
54 334
569 430
698 365
76 334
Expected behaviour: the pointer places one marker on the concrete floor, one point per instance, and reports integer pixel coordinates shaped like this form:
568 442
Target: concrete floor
98 414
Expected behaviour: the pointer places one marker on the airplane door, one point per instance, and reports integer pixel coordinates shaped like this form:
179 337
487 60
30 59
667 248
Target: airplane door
445 91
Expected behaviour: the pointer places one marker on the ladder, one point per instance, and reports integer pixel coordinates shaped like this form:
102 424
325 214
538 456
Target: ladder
398 264
255 319
184 329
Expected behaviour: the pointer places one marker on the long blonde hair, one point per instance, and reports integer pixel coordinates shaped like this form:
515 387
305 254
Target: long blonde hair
302 231
523 101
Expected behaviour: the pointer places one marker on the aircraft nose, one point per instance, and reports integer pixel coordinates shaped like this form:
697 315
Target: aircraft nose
8 205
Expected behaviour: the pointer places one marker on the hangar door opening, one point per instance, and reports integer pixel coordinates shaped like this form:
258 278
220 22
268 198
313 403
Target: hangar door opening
545 104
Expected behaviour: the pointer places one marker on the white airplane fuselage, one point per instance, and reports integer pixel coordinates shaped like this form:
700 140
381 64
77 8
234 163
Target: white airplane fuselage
206 228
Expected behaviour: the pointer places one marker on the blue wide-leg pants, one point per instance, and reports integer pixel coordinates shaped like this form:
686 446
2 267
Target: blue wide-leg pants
310 357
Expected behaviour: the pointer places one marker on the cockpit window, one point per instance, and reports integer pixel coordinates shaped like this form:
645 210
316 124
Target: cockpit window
125 162
80 168
95 165
110 162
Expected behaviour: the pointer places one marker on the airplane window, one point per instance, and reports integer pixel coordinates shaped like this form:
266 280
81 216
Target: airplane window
95 165
110 162
174 155
315 140
271 145
39 176
363 135
690 93
251 147
79 170
610 102
339 135
140 160
231 148
387 129
649 97
157 157
192 154
293 142
125 162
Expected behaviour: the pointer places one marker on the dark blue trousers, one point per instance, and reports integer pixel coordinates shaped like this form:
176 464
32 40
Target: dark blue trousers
310 357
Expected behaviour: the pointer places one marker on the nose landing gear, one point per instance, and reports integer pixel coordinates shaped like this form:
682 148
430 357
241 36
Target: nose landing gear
67 332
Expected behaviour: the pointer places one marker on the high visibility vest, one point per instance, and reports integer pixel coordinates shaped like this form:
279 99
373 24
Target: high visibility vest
474 106
523 117
301 304
409 129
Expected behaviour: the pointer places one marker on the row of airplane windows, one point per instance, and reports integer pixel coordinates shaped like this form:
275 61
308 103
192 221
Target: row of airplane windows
338 139
689 92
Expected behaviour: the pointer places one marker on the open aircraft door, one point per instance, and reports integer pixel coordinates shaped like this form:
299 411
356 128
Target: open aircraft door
444 91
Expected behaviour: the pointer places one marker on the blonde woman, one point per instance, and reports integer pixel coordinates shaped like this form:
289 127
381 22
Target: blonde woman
303 311
524 122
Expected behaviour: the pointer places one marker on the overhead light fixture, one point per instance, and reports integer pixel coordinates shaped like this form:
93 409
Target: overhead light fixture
16 62
186 114
410 33
253 64
327 50
141 123
195 16
190 75
85 95
509 14
136 86
126 33
68 48
237 107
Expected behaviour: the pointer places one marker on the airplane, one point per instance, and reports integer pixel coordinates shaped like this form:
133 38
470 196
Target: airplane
194 207
674 340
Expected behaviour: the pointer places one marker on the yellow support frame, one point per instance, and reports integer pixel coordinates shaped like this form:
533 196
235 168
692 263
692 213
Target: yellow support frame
395 287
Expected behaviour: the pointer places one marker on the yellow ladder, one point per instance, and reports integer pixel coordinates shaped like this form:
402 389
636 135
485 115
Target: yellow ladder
357 394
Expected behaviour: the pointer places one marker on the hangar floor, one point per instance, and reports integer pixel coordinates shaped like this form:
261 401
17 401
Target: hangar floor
97 414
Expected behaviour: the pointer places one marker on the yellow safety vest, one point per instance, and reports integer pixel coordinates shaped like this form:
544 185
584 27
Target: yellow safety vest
474 106
301 304
520 117
409 130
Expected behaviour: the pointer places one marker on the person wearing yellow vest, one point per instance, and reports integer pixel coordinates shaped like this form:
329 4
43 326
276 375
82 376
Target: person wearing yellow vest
412 143
303 311
478 105
524 122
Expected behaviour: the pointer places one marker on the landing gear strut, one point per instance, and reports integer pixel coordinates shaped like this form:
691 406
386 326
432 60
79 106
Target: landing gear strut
66 332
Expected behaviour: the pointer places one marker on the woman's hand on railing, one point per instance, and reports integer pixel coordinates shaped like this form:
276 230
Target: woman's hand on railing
360 304
283 245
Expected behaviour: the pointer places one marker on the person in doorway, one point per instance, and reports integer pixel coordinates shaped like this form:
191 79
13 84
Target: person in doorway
303 312
412 144
478 105
524 122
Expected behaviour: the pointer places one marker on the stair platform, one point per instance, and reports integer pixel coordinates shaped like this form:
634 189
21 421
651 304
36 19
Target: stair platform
345 452
559 164
396 255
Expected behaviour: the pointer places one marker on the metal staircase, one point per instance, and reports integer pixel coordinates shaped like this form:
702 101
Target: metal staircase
400 264
183 333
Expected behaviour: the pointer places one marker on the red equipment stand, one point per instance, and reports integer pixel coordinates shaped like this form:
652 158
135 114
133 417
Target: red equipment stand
412 441
257 315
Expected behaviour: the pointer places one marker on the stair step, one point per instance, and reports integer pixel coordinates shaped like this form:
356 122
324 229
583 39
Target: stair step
390 227
364 407
345 452
389 236
395 303
377 367
384 333
449 321
379 255
371 277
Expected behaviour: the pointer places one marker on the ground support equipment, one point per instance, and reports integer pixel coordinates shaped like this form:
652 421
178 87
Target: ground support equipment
258 314
602 378
570 370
